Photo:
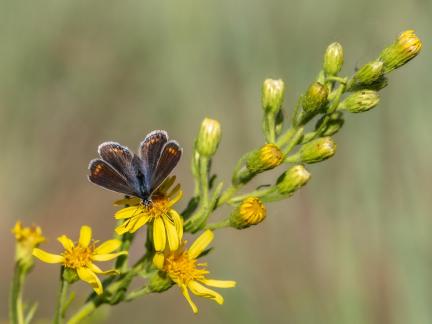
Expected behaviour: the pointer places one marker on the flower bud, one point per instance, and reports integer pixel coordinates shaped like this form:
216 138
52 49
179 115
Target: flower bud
293 179
272 95
208 137
70 275
251 211
360 101
315 98
404 49
27 238
368 73
267 157
334 124
159 282
317 150
333 59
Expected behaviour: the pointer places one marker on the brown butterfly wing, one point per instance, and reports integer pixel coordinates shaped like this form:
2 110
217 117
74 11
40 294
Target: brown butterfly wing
104 175
169 157
149 151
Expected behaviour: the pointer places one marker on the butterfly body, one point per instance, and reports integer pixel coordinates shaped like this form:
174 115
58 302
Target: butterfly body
120 170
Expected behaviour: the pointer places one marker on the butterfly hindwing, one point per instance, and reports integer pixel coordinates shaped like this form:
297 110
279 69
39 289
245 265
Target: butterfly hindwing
168 159
149 151
104 175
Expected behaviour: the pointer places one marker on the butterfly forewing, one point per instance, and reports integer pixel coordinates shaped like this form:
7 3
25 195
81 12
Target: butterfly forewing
169 157
150 150
120 158
103 174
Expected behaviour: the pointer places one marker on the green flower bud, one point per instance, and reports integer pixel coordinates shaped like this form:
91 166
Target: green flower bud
315 98
334 124
292 180
405 48
360 101
159 282
272 95
265 158
70 275
251 211
317 150
333 59
368 73
208 137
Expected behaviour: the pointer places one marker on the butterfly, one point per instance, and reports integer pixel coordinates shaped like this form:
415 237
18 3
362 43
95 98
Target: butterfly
120 170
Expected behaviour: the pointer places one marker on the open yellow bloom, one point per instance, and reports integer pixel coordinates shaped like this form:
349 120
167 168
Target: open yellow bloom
167 223
182 267
80 257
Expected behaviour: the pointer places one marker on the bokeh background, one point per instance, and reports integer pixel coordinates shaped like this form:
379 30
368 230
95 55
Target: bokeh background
354 246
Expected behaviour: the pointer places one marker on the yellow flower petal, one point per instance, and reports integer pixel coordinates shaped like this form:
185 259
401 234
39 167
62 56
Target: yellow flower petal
66 242
173 239
47 257
176 198
93 267
158 260
168 182
178 222
187 296
159 235
128 212
85 236
107 247
200 244
126 226
108 256
90 277
219 283
203 291
140 222
131 201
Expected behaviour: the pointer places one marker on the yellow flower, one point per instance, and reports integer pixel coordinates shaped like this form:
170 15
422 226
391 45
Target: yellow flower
182 267
167 223
80 257
251 211
28 235
27 238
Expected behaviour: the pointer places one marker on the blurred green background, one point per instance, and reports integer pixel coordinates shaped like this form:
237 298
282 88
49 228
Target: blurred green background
354 246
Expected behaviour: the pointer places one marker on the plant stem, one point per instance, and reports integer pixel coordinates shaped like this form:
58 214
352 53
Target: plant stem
222 224
227 194
59 314
138 293
84 311
16 312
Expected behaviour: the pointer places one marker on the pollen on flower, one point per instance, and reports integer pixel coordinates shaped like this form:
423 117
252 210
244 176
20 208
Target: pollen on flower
182 269
78 256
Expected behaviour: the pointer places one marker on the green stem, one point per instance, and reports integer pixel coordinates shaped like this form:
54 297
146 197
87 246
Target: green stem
203 173
59 314
255 193
270 127
84 311
222 224
294 140
138 293
16 312
227 194
335 103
